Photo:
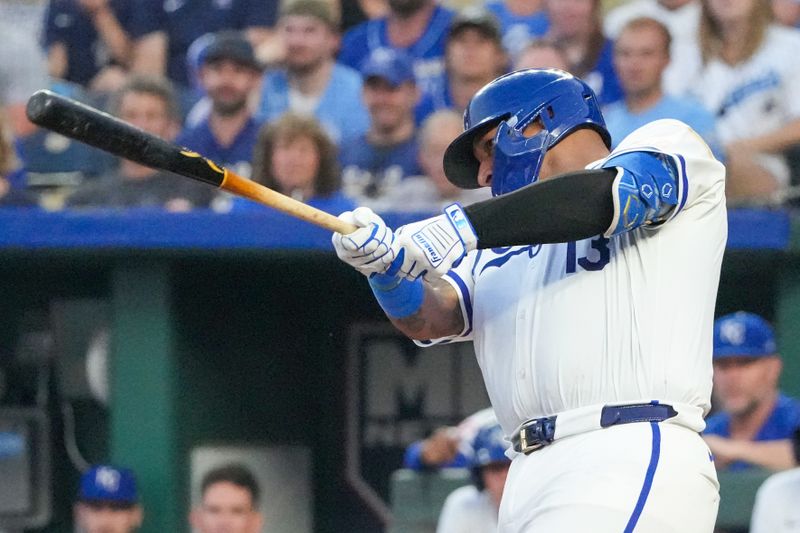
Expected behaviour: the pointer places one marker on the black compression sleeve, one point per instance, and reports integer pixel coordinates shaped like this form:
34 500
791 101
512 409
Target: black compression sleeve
569 207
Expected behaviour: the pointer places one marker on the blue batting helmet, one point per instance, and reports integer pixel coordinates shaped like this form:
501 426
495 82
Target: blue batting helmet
489 446
559 100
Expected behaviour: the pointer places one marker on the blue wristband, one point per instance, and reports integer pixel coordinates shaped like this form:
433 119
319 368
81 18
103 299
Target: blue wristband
397 296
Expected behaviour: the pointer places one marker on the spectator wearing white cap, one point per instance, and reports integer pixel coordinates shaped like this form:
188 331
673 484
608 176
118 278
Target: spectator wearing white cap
775 509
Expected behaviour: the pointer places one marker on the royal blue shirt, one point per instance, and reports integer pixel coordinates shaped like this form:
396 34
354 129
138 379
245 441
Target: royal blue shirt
340 109
427 53
185 20
781 424
238 156
518 30
68 24
436 99
602 78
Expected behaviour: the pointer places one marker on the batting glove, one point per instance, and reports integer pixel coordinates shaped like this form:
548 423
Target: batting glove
371 248
433 246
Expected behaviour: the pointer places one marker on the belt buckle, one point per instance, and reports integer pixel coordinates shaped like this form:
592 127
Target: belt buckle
536 426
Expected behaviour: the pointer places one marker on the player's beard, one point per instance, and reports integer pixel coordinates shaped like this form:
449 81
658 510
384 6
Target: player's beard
227 108
406 8
302 69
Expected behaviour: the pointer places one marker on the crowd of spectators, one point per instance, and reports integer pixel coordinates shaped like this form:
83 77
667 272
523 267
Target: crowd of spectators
370 74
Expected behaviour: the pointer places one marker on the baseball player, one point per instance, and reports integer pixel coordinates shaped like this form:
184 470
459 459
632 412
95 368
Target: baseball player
473 508
588 287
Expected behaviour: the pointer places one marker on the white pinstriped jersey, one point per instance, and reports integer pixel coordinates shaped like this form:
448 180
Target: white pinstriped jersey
626 319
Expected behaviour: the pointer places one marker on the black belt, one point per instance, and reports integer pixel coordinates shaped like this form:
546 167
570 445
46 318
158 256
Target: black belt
539 432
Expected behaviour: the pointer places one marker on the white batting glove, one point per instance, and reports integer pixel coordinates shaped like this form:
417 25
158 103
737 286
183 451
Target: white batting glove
433 246
369 249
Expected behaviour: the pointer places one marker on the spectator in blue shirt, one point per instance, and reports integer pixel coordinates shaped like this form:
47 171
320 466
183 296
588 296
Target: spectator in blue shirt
755 421
378 160
88 41
416 27
311 81
641 56
229 74
294 156
576 26
521 21
474 56
163 31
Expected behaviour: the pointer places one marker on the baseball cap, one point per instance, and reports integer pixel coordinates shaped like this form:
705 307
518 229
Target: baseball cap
478 18
744 335
108 484
389 64
230 45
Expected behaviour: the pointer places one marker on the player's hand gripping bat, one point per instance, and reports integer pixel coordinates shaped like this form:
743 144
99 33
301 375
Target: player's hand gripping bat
96 128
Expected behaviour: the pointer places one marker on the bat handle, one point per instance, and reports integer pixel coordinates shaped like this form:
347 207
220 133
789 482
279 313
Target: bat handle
255 191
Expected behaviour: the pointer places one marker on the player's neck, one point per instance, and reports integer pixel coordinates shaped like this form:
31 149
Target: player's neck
642 101
226 127
462 89
403 31
312 81
392 136
746 426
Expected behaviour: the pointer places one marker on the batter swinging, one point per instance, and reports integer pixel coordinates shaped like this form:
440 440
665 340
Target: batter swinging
588 286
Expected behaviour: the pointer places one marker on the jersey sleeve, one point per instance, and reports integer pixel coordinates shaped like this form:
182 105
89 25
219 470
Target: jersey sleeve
699 177
462 279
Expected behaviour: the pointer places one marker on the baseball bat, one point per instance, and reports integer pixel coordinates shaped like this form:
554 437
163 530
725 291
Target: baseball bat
101 130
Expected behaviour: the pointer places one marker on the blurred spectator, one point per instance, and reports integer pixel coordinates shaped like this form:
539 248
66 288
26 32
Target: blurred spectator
164 30
541 53
576 26
357 11
786 12
682 19
749 83
641 55
312 82
775 509
473 508
108 501
521 21
23 71
229 74
417 27
449 446
12 176
295 157
88 42
377 161
474 56
432 191
755 422
149 104
229 501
